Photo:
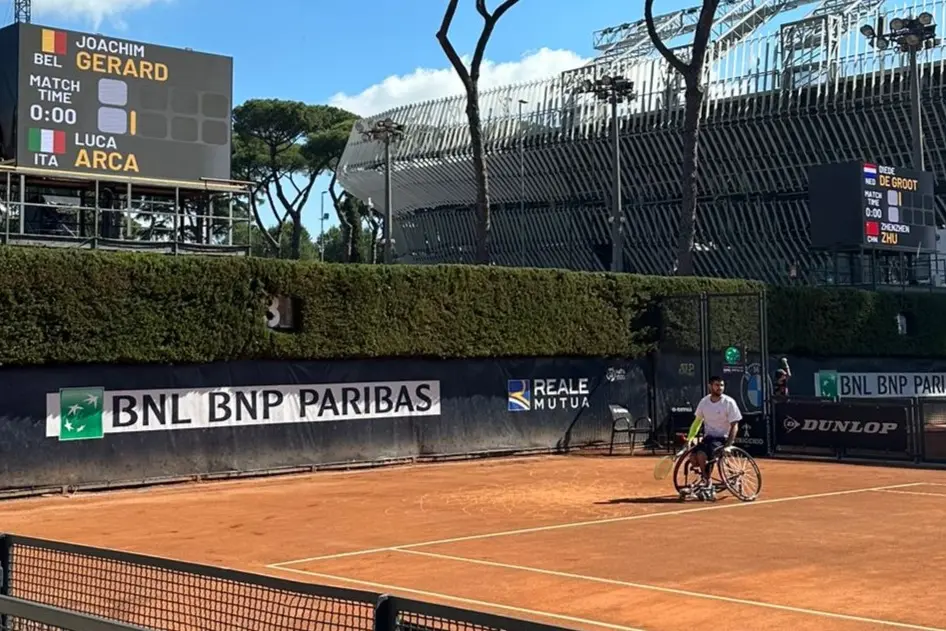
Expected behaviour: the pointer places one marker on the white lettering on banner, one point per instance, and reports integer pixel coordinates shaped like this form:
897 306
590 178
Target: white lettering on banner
843 427
750 441
867 385
125 411
560 394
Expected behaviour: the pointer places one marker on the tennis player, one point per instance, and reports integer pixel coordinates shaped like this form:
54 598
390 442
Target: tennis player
719 416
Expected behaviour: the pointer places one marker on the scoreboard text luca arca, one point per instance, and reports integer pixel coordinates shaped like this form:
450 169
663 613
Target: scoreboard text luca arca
94 104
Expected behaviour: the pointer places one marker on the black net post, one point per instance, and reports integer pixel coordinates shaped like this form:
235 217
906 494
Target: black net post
5 572
385 614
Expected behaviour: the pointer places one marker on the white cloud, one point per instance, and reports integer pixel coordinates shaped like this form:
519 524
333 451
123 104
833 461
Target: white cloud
92 11
424 84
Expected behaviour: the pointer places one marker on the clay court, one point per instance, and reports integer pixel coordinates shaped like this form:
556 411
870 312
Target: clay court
580 541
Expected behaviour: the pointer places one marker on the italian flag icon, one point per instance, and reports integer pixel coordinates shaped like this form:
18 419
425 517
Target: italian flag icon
47 141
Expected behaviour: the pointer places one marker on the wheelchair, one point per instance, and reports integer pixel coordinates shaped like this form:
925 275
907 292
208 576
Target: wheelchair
732 470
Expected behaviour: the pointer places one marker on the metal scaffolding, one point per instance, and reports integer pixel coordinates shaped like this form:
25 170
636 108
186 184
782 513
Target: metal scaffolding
45 209
22 11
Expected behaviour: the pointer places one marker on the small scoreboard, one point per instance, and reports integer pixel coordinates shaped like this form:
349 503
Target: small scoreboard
863 205
82 103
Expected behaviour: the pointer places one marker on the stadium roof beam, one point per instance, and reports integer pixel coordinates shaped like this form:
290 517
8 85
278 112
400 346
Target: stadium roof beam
810 47
622 45
846 7
631 40
741 18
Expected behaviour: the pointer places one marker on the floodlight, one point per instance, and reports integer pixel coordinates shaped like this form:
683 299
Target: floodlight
925 18
867 30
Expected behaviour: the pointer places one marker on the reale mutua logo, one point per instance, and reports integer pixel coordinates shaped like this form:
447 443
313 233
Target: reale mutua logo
525 395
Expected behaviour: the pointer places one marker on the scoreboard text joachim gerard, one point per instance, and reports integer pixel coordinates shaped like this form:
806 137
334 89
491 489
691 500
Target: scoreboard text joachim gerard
94 104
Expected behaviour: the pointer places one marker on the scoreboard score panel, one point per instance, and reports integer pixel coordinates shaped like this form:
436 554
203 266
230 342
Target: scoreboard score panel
98 105
863 205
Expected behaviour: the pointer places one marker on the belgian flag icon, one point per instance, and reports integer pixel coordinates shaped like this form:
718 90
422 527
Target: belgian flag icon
54 42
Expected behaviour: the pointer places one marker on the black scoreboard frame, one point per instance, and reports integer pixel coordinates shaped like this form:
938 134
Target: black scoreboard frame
850 208
170 163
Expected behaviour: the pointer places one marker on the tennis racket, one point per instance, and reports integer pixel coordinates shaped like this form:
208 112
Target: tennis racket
665 465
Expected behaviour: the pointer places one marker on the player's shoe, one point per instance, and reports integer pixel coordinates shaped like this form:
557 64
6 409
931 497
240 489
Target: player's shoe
705 490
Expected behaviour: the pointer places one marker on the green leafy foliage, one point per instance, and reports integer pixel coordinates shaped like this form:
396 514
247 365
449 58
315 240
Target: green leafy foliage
87 307
822 322
282 147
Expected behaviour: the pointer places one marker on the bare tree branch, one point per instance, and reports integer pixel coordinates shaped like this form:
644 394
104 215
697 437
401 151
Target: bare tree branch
448 49
336 201
701 38
489 24
665 52
349 225
292 180
280 219
272 241
470 79
694 94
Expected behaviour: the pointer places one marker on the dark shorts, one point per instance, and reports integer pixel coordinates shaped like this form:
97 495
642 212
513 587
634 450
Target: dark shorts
708 445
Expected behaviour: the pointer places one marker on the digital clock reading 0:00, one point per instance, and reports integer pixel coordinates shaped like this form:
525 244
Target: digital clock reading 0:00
57 115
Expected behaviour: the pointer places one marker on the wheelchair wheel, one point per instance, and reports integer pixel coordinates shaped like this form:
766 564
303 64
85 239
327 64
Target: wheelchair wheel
685 476
740 474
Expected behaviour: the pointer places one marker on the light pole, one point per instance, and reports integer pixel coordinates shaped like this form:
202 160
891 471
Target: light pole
522 185
387 131
911 35
614 90
322 229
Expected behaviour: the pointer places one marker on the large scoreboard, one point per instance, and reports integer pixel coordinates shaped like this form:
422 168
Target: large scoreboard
863 205
91 104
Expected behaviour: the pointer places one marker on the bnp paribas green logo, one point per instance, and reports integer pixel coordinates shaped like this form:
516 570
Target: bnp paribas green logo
80 413
827 382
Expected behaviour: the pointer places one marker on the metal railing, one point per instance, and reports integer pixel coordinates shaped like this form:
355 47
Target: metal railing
16 615
123 216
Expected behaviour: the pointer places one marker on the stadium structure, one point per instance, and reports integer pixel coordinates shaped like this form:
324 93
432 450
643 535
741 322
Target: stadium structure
789 84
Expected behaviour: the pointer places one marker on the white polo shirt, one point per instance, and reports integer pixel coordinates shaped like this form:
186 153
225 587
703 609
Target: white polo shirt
718 416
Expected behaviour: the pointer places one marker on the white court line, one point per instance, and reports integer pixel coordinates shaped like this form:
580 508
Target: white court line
467 601
676 592
593 522
941 495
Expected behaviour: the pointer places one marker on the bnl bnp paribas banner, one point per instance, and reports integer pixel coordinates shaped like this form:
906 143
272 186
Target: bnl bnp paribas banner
866 385
92 413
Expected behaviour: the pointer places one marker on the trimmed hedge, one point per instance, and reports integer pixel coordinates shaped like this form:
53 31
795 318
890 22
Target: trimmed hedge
837 322
69 306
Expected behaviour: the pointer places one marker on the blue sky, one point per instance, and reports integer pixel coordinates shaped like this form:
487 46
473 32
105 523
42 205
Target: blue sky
315 51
